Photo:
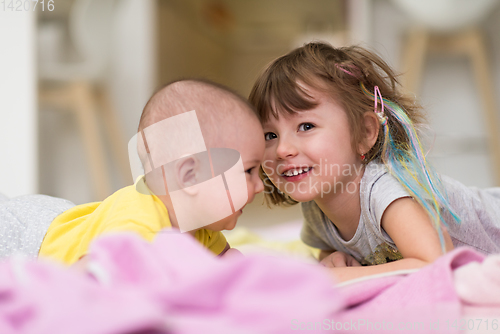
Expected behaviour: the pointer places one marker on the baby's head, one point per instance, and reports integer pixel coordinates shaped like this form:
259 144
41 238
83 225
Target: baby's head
300 80
226 120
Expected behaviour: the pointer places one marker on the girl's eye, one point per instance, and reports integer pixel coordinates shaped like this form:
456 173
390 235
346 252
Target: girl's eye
305 127
249 171
270 136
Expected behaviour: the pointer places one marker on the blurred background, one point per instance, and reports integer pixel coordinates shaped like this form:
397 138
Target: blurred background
74 79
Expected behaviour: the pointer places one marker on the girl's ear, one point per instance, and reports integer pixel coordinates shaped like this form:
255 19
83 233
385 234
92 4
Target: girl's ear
371 126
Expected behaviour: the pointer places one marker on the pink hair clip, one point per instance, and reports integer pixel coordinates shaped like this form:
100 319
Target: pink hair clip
381 113
355 69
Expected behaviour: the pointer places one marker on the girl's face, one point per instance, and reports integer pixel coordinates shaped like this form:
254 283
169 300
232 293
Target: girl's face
309 155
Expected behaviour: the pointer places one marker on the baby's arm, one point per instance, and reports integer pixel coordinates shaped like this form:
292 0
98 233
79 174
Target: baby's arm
81 264
411 229
230 252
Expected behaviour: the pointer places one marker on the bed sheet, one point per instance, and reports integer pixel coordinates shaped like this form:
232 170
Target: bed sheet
176 286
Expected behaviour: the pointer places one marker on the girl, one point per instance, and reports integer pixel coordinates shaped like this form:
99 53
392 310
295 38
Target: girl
341 139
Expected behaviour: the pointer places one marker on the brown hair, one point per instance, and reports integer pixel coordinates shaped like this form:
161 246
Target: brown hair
336 72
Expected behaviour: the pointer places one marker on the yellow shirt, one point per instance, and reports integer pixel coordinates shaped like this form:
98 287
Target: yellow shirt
71 233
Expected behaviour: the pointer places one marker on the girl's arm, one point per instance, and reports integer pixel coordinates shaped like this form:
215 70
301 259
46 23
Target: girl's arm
411 229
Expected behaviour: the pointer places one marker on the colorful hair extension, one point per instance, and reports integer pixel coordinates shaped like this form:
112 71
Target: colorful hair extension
408 164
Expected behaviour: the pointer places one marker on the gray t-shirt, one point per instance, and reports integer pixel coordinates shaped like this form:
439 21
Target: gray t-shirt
478 209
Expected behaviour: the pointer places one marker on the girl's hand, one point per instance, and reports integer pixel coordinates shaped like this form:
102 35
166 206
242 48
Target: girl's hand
339 259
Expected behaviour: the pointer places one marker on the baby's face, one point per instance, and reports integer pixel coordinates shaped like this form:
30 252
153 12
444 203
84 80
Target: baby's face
249 141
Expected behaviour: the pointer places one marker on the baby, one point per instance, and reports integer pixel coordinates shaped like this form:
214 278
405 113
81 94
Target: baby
65 232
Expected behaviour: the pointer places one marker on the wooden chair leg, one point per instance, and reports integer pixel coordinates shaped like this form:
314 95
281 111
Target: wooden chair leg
478 54
413 61
115 134
84 106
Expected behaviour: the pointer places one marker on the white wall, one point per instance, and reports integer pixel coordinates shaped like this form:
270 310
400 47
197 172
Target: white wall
449 95
18 120
132 79
134 67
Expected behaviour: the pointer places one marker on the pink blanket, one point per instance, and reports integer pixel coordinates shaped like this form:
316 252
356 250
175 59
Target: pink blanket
422 302
175 286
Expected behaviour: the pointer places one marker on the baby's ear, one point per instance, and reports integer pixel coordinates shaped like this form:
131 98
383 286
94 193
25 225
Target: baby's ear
186 171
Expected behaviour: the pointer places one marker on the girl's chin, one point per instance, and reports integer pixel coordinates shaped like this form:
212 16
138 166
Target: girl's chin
303 197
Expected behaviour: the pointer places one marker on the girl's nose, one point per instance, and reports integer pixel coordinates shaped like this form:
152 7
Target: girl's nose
285 150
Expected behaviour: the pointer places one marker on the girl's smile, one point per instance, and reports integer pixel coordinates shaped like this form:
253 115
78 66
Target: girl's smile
292 173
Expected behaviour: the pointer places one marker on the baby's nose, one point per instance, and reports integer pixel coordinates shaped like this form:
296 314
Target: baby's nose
259 187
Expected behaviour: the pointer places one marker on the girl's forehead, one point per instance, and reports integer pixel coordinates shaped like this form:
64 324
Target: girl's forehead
290 100
285 116
323 107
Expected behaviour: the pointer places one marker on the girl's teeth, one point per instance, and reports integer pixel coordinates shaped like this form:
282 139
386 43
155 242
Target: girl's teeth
297 172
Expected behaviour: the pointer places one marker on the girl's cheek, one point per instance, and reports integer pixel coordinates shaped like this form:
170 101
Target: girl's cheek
269 160
270 156
268 171
269 168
